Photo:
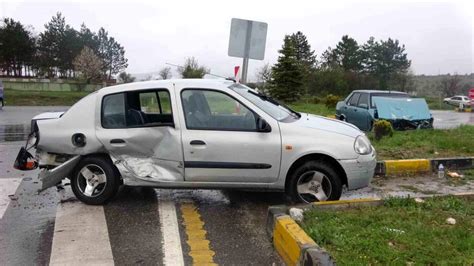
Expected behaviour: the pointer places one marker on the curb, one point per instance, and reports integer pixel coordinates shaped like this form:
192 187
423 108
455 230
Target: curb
295 247
418 166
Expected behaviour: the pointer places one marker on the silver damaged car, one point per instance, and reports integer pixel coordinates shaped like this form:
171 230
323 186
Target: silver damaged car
195 134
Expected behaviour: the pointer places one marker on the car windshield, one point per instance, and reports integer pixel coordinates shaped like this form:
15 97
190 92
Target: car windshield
268 105
388 95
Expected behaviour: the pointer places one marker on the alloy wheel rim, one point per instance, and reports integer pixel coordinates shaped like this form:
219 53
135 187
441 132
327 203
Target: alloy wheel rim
91 180
313 186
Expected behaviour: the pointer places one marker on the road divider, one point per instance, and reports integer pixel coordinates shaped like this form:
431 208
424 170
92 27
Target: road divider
421 166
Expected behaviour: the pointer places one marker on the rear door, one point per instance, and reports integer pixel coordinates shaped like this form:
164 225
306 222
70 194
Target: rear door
362 117
221 142
351 110
138 129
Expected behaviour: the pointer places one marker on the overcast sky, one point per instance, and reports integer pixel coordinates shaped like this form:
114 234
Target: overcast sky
438 35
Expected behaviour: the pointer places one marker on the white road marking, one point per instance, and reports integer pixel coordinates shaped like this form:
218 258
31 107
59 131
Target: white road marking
8 186
173 254
80 236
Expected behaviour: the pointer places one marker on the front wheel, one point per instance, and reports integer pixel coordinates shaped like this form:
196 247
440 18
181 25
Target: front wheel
94 180
314 181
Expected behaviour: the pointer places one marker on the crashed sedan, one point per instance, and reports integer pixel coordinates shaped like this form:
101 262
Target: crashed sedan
195 134
363 107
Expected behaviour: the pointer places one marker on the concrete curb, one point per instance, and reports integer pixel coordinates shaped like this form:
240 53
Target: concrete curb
295 246
419 166
290 241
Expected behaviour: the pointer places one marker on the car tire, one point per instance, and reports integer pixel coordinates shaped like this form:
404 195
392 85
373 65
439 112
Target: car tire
317 177
95 180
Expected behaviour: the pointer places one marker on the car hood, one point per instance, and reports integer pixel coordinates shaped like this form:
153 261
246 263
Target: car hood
404 108
48 115
328 124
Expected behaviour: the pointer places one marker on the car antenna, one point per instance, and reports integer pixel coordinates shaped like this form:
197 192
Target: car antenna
178 66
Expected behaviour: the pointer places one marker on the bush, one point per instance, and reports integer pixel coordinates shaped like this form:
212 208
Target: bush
314 100
331 100
382 128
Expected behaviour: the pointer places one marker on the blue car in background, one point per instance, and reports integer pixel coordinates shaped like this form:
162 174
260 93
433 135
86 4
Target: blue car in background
362 107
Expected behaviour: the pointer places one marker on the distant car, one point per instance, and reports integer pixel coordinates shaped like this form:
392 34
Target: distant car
196 134
456 100
360 108
1 93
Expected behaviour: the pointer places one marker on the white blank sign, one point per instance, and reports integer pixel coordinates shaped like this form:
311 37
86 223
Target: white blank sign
247 39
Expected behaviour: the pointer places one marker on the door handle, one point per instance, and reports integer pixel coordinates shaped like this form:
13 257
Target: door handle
197 142
117 141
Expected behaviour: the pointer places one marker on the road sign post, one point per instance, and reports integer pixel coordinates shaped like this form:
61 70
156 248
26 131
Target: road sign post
247 40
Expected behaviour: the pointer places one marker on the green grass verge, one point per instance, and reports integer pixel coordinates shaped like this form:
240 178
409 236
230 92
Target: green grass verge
311 108
426 143
400 232
42 98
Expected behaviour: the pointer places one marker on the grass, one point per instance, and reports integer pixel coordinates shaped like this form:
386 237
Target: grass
312 108
42 98
437 104
400 232
428 143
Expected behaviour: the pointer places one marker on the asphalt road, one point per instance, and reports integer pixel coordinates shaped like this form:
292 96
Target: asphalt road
145 225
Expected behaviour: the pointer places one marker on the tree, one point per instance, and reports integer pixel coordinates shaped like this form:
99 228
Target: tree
125 77
287 74
17 47
191 69
384 60
264 77
88 64
303 52
49 45
165 73
347 55
112 53
450 84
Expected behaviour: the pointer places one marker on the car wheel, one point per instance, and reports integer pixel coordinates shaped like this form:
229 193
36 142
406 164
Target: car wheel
315 181
95 180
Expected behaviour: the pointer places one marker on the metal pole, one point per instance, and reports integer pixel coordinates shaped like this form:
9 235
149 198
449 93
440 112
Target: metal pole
245 63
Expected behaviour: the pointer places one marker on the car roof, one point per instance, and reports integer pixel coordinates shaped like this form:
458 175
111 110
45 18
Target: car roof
160 83
379 91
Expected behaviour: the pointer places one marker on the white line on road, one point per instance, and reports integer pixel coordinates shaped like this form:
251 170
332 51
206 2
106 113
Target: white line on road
8 186
81 236
173 254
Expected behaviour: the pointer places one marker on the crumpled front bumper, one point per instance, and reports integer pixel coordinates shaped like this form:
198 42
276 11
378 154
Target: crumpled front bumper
360 171
52 177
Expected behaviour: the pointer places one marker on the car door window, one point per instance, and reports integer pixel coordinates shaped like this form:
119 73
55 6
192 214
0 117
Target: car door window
214 110
137 109
363 100
354 99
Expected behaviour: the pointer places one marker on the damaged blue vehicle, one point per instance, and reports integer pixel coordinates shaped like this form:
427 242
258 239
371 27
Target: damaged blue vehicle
363 107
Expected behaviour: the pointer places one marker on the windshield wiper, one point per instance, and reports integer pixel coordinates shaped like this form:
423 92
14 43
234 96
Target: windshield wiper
275 102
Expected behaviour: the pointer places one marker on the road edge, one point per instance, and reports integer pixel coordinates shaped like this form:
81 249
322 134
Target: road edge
420 166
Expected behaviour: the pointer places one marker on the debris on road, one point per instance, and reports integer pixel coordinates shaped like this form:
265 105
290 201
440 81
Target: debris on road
296 214
454 175
13 197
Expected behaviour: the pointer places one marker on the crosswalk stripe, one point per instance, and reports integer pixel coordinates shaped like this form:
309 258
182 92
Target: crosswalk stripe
80 236
8 186
172 251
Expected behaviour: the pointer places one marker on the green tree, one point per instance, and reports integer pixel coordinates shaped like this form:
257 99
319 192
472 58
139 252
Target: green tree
303 52
49 45
17 47
192 69
287 74
112 53
165 73
385 60
347 54
125 77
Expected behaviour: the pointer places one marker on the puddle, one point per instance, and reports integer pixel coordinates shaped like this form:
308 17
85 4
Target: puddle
14 132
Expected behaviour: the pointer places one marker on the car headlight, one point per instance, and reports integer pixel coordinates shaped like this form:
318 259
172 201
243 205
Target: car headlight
362 145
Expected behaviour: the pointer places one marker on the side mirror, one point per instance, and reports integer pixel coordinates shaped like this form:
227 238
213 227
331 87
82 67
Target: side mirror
364 105
263 126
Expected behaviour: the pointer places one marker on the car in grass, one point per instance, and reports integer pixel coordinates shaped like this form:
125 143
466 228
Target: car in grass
194 134
362 107
457 100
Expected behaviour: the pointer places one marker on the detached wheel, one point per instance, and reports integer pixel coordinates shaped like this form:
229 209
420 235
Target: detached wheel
94 180
315 181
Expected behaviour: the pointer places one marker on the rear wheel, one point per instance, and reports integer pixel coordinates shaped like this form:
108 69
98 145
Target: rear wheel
94 180
314 181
